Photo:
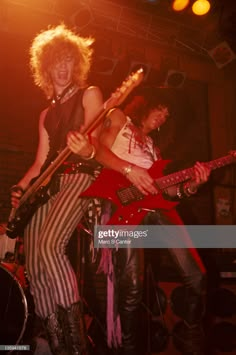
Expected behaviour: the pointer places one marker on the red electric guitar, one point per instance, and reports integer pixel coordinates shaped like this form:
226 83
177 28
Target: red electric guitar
132 205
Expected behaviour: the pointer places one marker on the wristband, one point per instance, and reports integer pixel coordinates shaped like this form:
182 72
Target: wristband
179 193
17 188
126 170
92 155
188 189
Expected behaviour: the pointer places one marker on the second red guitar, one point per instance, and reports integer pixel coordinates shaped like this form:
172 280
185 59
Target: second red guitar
132 205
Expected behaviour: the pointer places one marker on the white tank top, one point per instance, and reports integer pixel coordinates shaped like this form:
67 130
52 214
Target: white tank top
130 147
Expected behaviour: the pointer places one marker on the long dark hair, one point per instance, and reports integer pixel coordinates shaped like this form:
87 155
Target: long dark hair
141 104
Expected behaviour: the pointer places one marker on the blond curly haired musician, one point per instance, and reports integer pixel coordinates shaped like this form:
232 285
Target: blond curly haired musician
60 60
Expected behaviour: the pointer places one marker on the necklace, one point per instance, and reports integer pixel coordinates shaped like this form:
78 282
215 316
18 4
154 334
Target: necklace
65 95
142 140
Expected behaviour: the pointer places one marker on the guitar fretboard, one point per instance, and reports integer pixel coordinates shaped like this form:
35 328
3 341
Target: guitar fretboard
187 174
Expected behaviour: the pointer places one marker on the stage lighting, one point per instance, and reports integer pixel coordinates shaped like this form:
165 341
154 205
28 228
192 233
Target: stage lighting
201 7
179 5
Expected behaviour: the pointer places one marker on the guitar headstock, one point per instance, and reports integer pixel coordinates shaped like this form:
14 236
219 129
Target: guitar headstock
233 153
125 89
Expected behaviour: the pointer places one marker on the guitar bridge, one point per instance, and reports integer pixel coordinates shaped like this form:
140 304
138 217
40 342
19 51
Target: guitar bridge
129 194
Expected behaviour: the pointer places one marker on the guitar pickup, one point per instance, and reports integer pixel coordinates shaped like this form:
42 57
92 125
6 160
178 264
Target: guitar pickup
129 194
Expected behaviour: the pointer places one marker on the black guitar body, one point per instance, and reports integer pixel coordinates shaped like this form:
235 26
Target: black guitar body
24 213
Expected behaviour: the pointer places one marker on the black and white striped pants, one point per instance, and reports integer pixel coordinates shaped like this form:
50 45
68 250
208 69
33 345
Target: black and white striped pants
52 278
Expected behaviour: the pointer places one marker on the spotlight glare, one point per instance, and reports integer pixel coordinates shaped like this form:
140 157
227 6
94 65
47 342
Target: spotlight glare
201 7
179 5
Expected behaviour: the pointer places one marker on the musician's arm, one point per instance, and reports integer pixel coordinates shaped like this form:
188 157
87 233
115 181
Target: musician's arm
138 176
100 148
41 154
102 138
80 144
92 103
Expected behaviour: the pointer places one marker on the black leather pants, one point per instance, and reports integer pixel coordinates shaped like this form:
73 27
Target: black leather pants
189 265
129 266
191 339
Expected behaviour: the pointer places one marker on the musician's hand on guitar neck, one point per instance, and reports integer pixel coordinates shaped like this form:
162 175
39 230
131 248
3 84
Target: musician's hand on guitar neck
201 175
79 144
16 193
141 179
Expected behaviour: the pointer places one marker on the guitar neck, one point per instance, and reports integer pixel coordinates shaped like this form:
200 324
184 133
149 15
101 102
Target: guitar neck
186 174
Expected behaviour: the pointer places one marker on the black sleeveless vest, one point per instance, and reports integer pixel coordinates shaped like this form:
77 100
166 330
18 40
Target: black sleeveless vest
59 120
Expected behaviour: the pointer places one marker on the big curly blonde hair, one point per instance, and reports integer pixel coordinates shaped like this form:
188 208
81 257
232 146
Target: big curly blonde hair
53 43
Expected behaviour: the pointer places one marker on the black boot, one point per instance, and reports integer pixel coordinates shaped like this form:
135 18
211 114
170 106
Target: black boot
129 333
193 327
189 340
74 329
55 335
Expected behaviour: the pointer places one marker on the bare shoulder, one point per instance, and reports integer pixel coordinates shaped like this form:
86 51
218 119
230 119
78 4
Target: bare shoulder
113 123
43 113
116 113
92 93
115 118
42 117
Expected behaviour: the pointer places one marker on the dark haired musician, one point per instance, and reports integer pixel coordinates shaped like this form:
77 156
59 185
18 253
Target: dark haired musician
126 134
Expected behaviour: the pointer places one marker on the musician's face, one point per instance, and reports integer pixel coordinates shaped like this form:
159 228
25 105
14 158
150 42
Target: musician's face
155 119
61 71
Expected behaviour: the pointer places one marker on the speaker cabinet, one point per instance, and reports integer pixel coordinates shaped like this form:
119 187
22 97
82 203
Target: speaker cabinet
222 317
164 317
166 307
